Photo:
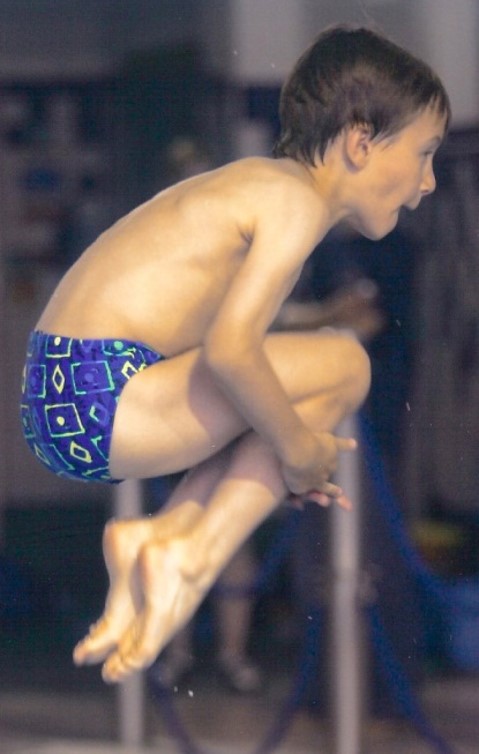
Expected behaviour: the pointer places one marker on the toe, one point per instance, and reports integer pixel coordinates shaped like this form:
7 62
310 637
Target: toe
113 670
89 652
119 666
134 653
101 639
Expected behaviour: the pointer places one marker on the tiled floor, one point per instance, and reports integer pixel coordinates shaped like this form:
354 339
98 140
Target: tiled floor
42 721
49 707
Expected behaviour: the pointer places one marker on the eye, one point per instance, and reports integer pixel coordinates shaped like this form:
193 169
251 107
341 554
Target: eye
429 154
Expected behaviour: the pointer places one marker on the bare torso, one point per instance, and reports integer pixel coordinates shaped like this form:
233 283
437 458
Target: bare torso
159 275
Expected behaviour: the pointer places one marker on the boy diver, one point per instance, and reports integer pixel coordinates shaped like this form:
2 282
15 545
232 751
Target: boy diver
154 353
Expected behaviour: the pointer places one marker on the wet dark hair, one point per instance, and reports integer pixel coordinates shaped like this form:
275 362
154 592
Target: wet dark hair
353 76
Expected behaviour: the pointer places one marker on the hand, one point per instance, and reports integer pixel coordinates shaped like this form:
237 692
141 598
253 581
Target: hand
310 475
320 498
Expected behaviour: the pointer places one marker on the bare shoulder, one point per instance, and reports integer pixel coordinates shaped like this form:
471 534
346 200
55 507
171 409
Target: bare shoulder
263 186
254 174
236 198
283 189
284 176
239 191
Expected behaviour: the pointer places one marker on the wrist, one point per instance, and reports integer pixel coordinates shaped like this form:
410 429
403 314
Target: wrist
298 448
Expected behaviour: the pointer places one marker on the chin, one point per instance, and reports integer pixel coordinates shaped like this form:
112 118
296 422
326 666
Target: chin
382 234
382 231
374 232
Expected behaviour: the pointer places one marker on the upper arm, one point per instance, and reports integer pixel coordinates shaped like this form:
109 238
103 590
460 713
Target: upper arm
285 231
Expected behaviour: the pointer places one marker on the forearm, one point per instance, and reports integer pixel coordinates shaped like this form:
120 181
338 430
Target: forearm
296 315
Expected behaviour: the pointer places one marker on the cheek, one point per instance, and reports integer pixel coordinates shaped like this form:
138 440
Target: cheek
405 185
390 182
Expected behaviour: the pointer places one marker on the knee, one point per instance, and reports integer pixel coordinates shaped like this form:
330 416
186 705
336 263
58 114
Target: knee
357 371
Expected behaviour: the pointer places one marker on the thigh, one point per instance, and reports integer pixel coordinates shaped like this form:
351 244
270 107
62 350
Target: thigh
173 415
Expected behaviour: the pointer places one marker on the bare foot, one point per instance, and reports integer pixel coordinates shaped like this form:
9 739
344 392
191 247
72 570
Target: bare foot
122 541
170 595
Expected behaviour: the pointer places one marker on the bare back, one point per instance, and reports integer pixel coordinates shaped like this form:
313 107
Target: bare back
159 275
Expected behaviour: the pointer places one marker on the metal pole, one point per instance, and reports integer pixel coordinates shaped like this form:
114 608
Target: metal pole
128 503
4 441
347 630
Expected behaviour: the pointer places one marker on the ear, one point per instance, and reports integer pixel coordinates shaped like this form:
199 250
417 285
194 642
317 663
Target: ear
358 145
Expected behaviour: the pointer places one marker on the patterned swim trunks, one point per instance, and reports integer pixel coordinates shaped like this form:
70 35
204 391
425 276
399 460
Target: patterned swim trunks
70 392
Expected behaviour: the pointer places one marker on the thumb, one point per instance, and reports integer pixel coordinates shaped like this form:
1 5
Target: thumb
347 443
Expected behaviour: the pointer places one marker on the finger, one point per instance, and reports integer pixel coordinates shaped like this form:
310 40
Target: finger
324 500
347 443
331 490
315 496
344 502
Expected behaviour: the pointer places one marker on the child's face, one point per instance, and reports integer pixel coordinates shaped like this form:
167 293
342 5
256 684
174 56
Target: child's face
399 173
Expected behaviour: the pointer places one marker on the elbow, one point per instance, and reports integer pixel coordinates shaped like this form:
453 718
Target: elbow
225 358
216 355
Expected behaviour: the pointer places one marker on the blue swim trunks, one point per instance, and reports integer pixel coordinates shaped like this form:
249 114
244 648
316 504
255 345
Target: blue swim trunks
70 392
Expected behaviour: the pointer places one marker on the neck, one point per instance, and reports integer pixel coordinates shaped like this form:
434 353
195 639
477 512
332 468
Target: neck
328 184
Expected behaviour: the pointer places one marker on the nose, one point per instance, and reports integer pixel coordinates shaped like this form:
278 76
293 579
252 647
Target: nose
428 183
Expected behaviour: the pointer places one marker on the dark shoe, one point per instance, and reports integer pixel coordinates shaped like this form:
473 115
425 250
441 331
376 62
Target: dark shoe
240 675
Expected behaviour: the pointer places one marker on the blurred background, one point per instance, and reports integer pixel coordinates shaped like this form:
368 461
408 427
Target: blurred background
102 104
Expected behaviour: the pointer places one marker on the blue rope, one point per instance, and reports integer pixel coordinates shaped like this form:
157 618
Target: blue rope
393 672
277 732
385 499
174 724
400 685
304 675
